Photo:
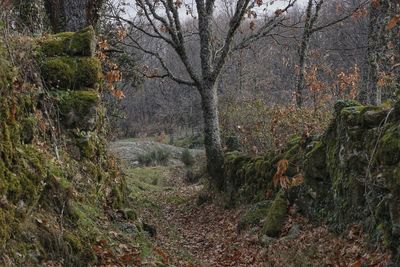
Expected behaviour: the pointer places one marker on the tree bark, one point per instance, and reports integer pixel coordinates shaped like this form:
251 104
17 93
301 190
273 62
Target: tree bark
30 14
72 15
307 33
212 138
383 54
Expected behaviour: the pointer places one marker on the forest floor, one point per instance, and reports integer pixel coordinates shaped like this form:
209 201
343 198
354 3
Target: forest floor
183 231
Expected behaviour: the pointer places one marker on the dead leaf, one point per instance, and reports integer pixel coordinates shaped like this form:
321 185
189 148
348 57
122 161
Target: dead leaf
393 22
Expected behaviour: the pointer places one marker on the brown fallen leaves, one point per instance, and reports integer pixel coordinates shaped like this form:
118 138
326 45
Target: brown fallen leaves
116 254
206 235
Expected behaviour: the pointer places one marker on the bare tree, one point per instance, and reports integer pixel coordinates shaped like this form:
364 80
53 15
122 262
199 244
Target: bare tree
164 19
72 15
310 27
311 19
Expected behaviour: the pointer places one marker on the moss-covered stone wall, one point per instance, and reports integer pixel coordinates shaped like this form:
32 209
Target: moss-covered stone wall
351 173
55 174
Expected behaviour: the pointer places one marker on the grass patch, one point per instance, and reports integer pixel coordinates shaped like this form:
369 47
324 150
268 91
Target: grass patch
150 176
157 156
187 158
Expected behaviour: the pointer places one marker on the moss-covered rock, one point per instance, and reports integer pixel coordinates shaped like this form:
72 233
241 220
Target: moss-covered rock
71 72
276 215
81 43
351 173
50 201
254 215
78 109
389 145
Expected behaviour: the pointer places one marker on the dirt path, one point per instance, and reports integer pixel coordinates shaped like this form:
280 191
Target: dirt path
183 232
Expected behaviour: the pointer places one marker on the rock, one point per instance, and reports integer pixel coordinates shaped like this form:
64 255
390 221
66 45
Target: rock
266 240
254 215
374 117
130 228
151 229
294 232
81 43
341 104
73 73
276 215
78 109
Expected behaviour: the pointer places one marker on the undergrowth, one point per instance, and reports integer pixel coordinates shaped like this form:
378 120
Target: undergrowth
157 156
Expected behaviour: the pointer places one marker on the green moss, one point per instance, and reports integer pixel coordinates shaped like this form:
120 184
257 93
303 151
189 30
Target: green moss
341 104
71 73
395 178
78 108
130 214
254 215
6 74
26 175
80 43
39 190
88 143
59 72
353 115
7 223
28 130
315 168
276 215
389 146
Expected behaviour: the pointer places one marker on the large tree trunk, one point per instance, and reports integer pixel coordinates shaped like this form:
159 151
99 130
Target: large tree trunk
72 15
30 15
212 138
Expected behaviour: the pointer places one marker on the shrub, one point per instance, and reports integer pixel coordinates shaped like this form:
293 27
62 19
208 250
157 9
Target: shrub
187 158
158 156
254 126
232 142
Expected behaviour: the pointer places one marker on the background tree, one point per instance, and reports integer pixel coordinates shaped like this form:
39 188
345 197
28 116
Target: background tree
161 20
310 27
383 53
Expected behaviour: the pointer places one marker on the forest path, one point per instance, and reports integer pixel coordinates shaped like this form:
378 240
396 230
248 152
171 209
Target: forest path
183 231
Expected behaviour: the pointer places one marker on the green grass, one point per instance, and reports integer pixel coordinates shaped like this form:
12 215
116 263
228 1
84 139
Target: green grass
154 157
150 176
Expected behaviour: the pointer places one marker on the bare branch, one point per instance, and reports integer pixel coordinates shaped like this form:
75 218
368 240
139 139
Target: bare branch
163 64
341 19
266 29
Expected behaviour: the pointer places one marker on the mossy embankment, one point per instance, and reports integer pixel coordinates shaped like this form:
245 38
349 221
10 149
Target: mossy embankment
349 174
60 192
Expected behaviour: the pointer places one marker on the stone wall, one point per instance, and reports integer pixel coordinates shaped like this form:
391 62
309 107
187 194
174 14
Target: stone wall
55 174
351 173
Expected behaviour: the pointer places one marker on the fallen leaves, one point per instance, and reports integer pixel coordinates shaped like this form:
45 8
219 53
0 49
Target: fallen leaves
393 22
206 235
116 255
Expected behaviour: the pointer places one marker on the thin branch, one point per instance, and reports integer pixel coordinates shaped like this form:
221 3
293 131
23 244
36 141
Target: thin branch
266 28
163 64
341 19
